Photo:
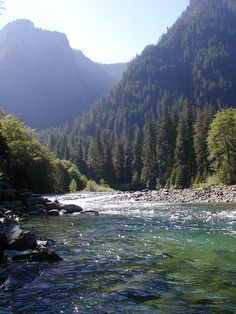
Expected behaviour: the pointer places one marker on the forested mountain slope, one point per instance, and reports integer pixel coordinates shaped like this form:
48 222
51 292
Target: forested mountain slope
152 128
42 80
196 59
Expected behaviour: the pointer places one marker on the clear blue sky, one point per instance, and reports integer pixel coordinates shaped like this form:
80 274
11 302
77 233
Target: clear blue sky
106 31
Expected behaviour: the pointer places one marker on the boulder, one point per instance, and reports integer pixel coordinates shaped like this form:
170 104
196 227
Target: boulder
52 205
71 209
26 240
53 212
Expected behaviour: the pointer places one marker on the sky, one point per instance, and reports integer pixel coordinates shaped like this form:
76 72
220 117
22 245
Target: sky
106 31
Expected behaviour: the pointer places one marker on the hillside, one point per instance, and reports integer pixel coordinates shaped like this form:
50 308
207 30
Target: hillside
152 128
42 80
196 59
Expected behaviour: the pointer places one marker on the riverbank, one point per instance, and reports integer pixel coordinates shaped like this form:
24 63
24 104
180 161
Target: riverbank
175 196
207 195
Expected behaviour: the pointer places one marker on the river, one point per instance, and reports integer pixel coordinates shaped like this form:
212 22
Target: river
135 257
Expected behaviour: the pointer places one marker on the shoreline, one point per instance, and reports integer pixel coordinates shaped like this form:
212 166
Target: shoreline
224 194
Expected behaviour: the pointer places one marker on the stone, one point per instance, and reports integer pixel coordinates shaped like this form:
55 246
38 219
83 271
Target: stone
72 208
52 205
26 240
38 255
53 212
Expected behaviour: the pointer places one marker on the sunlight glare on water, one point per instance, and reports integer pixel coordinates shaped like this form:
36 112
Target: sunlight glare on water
135 257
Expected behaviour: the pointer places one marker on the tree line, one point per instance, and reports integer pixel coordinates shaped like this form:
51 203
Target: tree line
182 147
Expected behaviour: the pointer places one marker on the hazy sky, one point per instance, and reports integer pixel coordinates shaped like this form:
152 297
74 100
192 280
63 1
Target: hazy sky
105 30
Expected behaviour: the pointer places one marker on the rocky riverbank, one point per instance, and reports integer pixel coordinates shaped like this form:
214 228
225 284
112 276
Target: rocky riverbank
207 195
23 203
17 245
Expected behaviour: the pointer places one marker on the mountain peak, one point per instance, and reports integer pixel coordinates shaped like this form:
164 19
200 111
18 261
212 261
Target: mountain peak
22 24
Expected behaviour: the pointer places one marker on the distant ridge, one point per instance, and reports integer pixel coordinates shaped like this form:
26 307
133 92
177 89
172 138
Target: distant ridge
43 81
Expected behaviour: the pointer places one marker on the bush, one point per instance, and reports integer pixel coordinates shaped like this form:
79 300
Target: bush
92 186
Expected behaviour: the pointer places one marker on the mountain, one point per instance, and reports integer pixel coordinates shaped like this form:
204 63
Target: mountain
152 127
195 59
42 80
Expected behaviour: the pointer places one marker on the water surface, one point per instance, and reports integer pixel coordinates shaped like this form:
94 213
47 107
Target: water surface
133 258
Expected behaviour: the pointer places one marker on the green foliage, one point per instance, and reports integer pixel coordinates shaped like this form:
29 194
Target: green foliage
92 186
222 145
64 172
165 145
29 162
26 163
149 171
201 126
184 168
73 186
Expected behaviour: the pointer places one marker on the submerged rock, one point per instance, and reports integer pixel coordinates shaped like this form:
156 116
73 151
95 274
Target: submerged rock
18 278
38 255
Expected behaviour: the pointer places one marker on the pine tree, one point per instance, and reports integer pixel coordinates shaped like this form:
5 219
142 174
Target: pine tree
165 145
96 158
108 174
137 163
149 171
184 167
118 163
201 127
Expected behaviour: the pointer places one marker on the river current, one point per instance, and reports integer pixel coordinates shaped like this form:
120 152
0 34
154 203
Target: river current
135 257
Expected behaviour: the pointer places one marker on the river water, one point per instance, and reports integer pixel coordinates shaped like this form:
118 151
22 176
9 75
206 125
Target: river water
133 258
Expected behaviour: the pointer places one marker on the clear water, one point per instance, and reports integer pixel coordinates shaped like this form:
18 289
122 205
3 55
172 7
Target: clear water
133 258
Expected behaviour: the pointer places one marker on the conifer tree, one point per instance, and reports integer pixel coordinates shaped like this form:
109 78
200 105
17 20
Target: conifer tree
137 163
149 171
165 145
96 158
118 163
201 126
184 167
108 165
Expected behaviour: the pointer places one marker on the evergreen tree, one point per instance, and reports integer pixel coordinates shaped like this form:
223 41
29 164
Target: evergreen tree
127 160
149 171
201 126
184 167
118 163
137 163
165 145
108 174
96 158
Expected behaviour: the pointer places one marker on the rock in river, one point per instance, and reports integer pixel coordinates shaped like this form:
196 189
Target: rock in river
71 209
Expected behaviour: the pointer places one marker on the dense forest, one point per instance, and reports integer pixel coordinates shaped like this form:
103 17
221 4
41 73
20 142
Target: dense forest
184 146
154 127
